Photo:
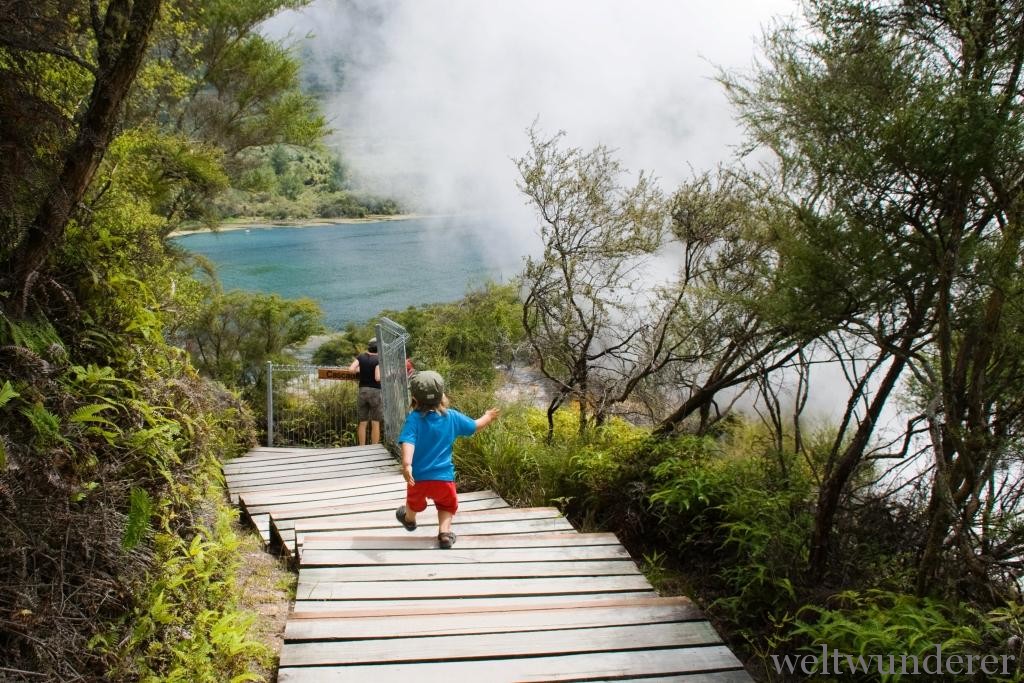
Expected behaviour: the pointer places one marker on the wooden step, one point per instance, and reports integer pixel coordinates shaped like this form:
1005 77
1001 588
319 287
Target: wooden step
355 541
713 664
450 648
456 588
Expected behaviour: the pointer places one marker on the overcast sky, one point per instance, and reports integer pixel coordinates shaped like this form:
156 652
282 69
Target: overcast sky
438 93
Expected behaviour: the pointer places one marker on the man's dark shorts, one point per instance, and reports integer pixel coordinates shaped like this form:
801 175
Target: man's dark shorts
368 405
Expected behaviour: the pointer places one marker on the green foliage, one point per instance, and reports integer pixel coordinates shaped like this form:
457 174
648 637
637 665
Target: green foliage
45 426
720 500
139 512
291 182
187 626
36 335
590 477
177 176
105 429
340 350
464 340
227 84
879 622
236 333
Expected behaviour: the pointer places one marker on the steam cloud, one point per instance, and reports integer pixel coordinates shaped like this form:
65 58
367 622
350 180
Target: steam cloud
434 96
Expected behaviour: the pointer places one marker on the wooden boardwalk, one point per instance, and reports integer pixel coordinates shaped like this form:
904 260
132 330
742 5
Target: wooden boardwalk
521 597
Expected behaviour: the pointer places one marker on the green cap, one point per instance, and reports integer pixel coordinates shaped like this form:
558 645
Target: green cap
427 387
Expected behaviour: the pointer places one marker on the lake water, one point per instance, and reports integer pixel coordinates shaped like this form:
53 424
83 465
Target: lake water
354 271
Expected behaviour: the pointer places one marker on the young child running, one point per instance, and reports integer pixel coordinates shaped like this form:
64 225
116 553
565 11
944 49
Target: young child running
427 437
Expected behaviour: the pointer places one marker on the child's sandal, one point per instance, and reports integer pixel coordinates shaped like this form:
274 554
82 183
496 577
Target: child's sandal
400 516
446 539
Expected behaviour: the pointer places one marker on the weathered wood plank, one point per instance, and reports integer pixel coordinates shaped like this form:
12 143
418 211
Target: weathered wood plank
384 516
264 484
326 609
523 526
312 462
394 492
521 595
291 482
351 541
292 537
313 473
280 453
326 508
456 588
286 454
317 460
480 570
669 661
363 608
295 483
472 510
283 450
285 529
326 628
331 489
500 645
426 519
262 525
734 676
461 555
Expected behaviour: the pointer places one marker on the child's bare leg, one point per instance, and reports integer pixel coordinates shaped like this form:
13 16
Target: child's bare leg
410 515
444 521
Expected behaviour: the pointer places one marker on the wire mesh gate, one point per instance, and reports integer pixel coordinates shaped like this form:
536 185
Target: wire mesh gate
314 406
305 408
394 380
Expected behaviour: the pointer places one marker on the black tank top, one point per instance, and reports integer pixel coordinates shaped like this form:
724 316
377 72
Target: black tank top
367 364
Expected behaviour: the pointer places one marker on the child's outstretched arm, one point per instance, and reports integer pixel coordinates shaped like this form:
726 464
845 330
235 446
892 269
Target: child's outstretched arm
407 451
487 418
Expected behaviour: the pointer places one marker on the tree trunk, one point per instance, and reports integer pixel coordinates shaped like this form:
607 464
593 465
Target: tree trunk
556 402
83 157
835 481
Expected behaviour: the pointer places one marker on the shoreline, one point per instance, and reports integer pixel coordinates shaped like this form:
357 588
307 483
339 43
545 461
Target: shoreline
261 223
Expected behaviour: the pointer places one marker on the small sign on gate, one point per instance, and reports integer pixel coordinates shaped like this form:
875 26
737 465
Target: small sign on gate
336 373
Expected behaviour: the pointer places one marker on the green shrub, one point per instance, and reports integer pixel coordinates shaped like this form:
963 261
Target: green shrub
886 623
321 417
507 458
186 625
726 512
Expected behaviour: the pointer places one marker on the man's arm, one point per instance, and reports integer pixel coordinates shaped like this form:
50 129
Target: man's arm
355 365
376 372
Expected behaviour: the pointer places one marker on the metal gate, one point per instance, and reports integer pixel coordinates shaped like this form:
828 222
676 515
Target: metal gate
314 406
305 410
394 381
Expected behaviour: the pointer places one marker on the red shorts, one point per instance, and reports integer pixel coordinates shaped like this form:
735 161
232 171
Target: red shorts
441 492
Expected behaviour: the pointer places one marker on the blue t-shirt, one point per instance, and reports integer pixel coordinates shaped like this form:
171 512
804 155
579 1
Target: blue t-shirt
432 434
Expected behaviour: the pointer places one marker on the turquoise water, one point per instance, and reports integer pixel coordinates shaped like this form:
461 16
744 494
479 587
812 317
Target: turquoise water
356 270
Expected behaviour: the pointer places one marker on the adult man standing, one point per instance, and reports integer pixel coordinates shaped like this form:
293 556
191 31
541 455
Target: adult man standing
368 401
